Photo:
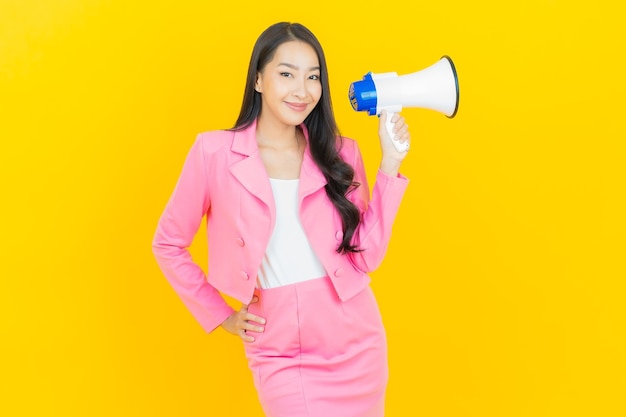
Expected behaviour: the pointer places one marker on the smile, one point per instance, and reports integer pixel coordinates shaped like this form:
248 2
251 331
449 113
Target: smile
299 107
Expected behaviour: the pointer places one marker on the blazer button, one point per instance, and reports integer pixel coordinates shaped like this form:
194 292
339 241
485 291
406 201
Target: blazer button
240 242
244 275
339 272
339 235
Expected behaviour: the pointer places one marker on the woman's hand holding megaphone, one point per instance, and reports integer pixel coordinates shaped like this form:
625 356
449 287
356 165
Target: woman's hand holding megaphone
394 133
395 140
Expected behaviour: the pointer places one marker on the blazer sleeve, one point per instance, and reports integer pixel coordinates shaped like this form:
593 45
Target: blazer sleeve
175 232
377 213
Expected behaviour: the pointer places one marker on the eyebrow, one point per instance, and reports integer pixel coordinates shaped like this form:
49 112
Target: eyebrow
296 67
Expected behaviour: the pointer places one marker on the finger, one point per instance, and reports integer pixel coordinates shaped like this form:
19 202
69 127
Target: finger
250 327
403 130
254 324
246 337
254 318
400 125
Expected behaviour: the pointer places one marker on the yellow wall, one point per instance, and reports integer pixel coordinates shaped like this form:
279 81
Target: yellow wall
503 289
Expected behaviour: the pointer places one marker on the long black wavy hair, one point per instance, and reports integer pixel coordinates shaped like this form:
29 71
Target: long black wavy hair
324 138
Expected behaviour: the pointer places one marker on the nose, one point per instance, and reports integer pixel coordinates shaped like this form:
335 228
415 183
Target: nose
299 89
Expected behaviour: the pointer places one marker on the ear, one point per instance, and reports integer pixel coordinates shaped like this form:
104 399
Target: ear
257 83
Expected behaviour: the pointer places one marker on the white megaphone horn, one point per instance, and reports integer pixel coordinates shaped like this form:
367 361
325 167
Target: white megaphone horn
435 88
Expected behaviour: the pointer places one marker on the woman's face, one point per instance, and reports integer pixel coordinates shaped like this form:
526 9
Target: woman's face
290 83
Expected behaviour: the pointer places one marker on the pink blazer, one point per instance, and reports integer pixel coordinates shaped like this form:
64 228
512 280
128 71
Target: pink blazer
224 179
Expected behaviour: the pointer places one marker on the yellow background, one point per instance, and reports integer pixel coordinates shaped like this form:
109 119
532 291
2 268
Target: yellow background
503 289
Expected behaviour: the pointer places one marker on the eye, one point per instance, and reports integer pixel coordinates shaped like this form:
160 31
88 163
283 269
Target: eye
314 77
285 74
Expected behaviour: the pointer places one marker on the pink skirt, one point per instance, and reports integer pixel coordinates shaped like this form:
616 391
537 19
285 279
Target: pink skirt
318 356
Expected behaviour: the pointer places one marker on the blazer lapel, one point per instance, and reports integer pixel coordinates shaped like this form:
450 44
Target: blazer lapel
250 171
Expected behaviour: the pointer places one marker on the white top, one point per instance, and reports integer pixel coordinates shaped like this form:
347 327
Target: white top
289 257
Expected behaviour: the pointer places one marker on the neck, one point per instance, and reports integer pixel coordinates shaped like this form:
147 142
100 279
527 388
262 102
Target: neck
276 135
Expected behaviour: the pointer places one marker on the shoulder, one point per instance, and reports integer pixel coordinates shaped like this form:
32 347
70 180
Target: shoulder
348 148
214 141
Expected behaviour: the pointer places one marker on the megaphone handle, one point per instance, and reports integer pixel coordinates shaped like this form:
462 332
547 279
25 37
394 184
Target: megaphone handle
400 146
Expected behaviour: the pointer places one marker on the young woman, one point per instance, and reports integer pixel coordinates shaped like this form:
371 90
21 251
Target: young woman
292 234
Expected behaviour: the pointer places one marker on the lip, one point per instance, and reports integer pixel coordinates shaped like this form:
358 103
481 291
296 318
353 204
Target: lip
299 107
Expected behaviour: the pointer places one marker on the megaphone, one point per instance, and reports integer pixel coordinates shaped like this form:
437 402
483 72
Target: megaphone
435 88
